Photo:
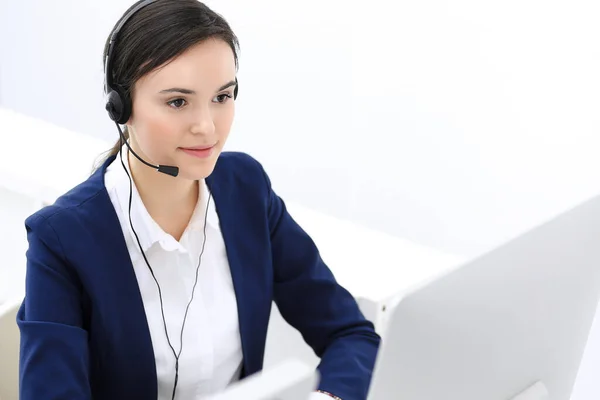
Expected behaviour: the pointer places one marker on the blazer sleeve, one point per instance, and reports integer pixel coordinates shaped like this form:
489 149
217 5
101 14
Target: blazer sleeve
326 314
54 353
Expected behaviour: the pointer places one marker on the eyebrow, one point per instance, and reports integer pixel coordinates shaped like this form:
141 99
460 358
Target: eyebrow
188 91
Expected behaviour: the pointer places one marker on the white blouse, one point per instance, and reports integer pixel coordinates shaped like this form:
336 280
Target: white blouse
211 358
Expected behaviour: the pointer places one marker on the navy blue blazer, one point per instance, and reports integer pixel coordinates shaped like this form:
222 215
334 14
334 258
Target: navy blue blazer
84 333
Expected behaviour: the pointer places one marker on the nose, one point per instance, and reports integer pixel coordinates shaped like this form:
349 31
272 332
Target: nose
203 123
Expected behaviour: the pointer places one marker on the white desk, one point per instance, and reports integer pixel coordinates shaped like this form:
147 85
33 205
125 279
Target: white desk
42 160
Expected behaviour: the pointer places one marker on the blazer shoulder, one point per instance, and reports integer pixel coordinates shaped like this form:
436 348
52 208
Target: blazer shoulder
242 168
238 161
66 206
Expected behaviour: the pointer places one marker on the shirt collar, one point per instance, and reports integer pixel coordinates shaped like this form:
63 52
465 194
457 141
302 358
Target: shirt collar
148 231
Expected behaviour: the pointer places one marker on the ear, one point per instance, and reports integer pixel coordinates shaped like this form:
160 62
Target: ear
131 120
129 130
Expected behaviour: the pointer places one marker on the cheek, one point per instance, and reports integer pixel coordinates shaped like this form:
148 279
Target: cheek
158 133
223 121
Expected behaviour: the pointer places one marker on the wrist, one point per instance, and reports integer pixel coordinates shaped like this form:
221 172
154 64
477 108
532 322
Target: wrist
329 394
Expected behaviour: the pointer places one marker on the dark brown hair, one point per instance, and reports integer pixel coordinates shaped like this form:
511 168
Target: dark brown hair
158 33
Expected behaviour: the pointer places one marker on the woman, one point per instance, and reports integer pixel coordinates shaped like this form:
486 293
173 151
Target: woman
145 284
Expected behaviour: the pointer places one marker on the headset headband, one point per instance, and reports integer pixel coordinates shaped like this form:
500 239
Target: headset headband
108 83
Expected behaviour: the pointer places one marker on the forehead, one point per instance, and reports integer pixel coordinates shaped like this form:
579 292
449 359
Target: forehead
203 67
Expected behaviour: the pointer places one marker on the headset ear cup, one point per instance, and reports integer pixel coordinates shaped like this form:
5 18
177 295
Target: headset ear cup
126 106
114 105
118 106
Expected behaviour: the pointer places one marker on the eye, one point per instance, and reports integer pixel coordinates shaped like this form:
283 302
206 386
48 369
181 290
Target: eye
176 103
223 98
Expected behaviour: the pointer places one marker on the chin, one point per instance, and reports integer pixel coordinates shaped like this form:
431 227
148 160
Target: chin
192 168
197 172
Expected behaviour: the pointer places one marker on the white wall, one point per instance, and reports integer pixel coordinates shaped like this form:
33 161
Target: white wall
452 123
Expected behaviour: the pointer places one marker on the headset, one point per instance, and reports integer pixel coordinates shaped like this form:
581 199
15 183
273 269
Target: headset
118 103
119 106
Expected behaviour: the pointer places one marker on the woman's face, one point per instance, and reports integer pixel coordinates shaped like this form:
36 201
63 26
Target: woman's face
183 111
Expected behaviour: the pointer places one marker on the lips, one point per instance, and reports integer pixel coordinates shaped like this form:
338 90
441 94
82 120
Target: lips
199 151
199 147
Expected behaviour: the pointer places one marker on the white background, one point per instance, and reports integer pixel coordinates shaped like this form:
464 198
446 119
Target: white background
456 124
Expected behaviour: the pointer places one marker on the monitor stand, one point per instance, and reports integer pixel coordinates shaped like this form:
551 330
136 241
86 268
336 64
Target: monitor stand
537 391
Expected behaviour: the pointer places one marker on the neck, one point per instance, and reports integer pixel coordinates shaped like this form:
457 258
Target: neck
170 201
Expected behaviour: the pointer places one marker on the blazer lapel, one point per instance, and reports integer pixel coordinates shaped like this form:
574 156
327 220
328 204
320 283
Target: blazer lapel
242 222
226 211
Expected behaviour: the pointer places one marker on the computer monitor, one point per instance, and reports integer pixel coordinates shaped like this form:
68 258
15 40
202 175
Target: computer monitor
290 380
511 324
